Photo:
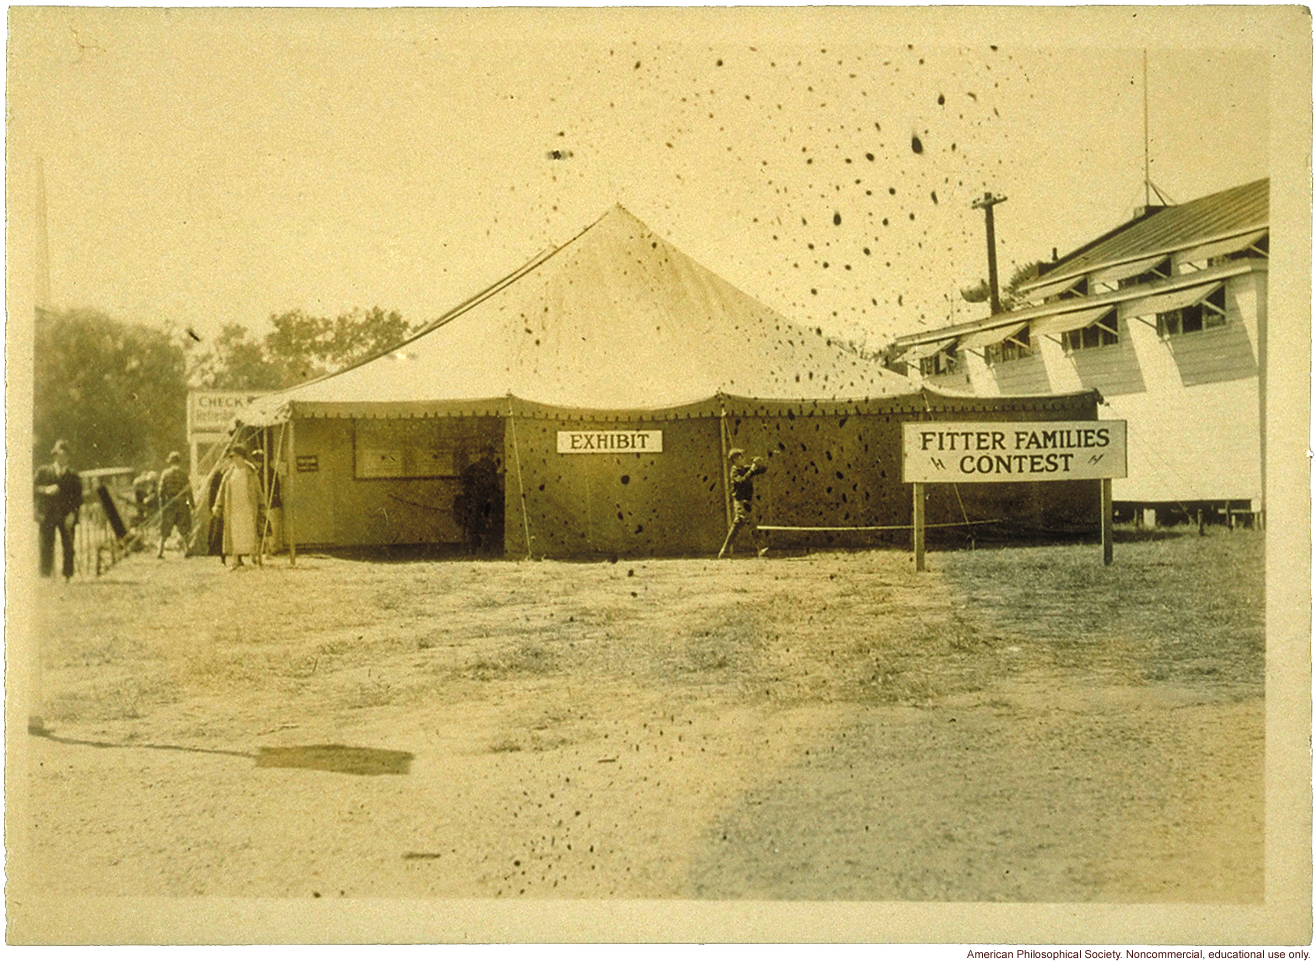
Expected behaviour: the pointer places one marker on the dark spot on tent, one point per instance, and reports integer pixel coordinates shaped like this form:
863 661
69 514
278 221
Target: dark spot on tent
718 63
917 144
354 760
941 100
638 529
625 479
637 64
613 559
869 157
892 192
934 199
835 219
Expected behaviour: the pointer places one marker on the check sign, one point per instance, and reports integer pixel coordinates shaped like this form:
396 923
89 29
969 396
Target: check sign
1005 451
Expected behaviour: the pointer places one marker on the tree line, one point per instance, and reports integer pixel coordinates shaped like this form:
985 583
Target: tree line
117 391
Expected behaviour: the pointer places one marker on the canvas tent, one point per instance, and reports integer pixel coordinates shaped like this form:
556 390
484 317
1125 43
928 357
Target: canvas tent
614 333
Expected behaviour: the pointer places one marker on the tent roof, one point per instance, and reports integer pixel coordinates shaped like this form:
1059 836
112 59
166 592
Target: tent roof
616 318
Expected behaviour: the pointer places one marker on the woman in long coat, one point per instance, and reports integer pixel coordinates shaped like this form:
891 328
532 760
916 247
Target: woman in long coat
240 503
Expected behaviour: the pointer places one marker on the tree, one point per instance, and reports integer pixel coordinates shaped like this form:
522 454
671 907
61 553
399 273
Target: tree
1010 297
302 346
298 347
234 362
117 392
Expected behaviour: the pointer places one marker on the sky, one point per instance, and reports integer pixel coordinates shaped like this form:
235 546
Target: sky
205 167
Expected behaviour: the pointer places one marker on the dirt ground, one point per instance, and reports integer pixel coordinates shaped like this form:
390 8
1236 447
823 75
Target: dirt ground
1018 724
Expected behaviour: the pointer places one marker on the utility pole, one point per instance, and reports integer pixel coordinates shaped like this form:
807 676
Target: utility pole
42 290
986 202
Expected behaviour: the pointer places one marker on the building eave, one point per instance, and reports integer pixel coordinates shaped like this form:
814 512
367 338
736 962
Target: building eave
1111 298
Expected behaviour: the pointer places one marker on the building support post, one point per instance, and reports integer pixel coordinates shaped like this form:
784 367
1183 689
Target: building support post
1107 518
919 529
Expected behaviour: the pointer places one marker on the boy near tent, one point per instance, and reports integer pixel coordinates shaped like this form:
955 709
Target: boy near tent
741 478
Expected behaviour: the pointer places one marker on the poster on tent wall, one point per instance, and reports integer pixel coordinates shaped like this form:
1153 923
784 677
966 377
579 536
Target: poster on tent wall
608 442
1015 451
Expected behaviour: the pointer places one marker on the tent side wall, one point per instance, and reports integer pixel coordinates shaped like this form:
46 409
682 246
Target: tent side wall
380 481
593 503
839 469
829 466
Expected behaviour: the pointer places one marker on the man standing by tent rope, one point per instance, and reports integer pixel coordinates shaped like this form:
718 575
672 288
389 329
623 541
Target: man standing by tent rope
741 477
175 503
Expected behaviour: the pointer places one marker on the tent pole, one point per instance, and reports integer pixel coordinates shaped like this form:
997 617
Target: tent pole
273 477
289 514
725 468
520 480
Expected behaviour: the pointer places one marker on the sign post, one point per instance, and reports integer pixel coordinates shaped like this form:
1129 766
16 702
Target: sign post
1107 518
1015 451
919 529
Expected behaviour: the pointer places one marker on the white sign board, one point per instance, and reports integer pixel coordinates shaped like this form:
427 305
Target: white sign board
608 442
1014 451
211 412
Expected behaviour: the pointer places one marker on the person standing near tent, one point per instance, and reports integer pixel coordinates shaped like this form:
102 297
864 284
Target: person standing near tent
175 502
240 504
215 534
58 493
741 479
478 505
145 496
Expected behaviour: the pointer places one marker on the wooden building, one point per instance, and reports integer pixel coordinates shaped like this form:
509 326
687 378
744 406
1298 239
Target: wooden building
1164 316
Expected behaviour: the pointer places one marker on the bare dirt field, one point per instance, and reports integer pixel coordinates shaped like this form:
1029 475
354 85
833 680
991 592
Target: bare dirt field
1018 724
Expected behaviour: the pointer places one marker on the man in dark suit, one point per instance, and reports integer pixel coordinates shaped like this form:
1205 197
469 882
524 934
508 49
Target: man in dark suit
58 494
